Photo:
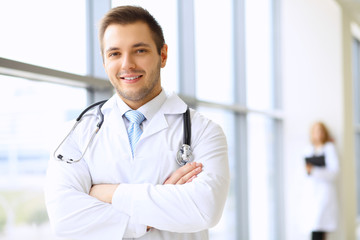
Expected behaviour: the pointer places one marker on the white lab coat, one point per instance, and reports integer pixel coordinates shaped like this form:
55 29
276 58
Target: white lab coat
175 211
320 212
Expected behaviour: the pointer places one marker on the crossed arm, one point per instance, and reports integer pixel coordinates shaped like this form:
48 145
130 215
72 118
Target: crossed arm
185 174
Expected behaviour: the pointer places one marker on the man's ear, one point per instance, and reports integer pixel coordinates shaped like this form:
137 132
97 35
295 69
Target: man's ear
163 54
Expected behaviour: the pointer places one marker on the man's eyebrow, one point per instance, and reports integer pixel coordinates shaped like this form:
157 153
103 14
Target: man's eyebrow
141 44
112 49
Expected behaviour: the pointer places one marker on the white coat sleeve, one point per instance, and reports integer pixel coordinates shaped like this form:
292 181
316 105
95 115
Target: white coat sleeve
331 169
75 214
190 207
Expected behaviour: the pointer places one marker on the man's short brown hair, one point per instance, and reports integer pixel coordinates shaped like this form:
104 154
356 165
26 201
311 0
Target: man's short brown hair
130 14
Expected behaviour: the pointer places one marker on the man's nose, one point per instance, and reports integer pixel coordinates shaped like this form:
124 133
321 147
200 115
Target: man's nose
128 62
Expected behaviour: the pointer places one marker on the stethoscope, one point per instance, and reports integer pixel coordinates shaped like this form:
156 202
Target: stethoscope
184 155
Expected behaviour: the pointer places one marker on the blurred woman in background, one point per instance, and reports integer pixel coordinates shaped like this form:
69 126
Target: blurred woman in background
322 167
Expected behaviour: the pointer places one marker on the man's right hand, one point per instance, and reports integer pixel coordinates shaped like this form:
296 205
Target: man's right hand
185 174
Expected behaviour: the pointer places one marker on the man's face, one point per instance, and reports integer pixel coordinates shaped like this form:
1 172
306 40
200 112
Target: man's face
132 62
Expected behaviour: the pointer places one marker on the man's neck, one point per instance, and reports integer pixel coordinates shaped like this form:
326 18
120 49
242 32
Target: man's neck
137 104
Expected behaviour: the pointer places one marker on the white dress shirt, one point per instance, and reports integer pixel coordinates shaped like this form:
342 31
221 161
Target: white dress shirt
174 211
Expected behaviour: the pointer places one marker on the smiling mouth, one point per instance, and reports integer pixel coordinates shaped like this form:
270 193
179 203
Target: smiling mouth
131 78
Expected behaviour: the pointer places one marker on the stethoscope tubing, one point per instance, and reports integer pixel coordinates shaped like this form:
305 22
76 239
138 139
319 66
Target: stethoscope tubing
101 103
187 127
184 154
78 120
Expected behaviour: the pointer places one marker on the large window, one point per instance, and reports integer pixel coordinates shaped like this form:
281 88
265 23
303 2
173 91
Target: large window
28 121
213 38
235 72
30 116
261 176
356 82
259 57
39 35
45 33
263 163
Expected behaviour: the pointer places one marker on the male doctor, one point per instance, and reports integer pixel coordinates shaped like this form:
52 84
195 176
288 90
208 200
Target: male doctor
132 187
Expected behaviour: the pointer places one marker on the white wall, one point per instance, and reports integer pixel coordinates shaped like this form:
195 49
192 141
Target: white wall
312 63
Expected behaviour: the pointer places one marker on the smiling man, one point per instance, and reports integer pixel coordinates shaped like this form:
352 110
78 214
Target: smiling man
133 187
133 63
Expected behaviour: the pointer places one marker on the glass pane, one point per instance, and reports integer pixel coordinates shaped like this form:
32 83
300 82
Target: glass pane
46 33
356 80
258 32
226 228
168 21
213 46
30 116
357 157
261 177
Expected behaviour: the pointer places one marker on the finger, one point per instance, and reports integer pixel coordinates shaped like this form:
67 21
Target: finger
179 173
192 178
175 176
189 175
187 172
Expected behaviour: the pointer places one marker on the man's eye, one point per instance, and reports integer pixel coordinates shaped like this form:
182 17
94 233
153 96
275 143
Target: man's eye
113 54
140 50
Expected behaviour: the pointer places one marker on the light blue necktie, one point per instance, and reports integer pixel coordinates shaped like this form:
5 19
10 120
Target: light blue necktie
134 130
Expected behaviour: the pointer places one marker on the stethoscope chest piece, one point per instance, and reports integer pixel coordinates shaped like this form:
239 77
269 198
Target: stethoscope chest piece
184 155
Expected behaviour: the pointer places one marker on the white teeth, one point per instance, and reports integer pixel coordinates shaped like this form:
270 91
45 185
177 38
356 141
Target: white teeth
130 78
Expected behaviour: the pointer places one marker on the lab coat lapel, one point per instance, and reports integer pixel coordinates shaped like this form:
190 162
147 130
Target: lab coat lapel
115 120
157 124
172 105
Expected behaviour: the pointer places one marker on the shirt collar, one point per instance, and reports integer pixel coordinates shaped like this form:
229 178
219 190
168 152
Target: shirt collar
152 107
148 110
